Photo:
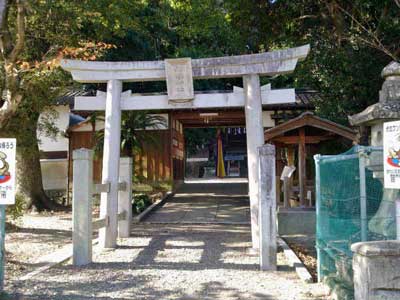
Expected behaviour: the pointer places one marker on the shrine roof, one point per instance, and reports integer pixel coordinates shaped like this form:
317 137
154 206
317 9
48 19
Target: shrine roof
310 120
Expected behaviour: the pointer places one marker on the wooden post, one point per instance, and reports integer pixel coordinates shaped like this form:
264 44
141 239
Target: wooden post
278 190
290 162
125 197
254 139
82 206
267 207
111 153
302 166
286 192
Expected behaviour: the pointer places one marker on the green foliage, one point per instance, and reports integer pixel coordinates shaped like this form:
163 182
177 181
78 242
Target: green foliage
140 203
17 210
351 41
131 122
194 137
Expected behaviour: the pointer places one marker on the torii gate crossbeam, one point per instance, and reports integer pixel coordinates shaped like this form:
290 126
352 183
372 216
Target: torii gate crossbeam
249 67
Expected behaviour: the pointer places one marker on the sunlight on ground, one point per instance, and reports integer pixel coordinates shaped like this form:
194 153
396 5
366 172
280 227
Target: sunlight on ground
175 255
184 243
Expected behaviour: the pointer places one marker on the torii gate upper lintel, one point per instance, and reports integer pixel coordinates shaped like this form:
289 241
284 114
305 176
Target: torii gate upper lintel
249 67
263 64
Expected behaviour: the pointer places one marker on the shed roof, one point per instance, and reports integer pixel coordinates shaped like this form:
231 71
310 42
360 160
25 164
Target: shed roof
309 119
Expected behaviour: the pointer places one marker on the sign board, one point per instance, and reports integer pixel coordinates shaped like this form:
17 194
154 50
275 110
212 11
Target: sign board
7 171
287 172
391 154
179 79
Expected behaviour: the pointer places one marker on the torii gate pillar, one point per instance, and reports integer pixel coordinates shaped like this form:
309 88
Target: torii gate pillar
254 139
110 173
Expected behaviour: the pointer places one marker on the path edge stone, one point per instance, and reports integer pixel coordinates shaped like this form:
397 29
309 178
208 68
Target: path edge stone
143 215
53 259
295 262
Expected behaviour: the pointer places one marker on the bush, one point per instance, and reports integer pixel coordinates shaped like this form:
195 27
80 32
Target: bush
140 203
17 210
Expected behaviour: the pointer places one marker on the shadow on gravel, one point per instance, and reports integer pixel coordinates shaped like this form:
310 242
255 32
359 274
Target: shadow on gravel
120 289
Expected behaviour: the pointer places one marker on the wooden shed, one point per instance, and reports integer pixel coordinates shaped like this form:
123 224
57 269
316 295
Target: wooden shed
306 129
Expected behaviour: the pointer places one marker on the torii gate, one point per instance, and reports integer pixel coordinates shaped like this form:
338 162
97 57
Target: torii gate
252 97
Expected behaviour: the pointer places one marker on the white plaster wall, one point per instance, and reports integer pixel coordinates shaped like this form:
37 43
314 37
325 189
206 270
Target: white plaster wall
267 120
60 143
54 173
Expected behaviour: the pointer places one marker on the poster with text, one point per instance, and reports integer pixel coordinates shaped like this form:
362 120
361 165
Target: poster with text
391 154
7 171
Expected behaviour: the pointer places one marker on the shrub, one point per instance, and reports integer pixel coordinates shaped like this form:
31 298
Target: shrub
17 210
140 203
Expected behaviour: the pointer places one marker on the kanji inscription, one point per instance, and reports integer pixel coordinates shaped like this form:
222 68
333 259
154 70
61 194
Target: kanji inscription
179 79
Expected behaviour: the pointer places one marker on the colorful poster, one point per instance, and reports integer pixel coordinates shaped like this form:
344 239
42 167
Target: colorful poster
7 171
391 154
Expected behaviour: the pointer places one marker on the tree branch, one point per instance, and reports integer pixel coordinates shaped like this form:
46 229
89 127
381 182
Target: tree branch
20 40
5 36
375 40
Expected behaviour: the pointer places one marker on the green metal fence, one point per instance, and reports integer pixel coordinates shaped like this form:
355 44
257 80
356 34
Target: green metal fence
352 206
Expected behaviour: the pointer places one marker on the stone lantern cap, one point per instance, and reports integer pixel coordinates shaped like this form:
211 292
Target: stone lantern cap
377 248
392 69
388 107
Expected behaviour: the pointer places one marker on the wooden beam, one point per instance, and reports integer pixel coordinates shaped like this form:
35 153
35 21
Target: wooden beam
294 139
131 101
302 166
215 115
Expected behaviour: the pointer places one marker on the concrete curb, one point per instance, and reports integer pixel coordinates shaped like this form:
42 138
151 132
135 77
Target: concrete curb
51 260
295 262
140 217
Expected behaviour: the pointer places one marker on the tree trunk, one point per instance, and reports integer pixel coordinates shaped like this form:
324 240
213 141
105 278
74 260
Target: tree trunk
29 178
29 173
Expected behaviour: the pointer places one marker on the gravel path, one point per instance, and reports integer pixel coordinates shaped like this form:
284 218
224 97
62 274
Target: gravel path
33 236
172 262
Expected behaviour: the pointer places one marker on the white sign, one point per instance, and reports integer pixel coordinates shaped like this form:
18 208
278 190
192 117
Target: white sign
287 172
391 154
7 171
179 79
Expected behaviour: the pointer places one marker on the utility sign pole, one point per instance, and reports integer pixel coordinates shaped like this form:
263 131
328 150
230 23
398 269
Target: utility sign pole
7 192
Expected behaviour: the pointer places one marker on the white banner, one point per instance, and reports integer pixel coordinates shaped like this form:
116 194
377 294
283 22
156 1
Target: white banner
7 171
391 154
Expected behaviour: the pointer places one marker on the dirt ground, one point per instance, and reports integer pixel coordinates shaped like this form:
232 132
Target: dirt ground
159 261
33 236
172 262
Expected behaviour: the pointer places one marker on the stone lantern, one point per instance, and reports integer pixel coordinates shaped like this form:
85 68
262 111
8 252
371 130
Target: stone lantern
387 109
374 262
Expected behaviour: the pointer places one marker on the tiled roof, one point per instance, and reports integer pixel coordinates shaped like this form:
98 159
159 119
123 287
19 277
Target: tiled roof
68 97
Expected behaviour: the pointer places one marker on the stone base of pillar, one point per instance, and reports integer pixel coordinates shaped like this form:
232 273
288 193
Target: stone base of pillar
376 267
